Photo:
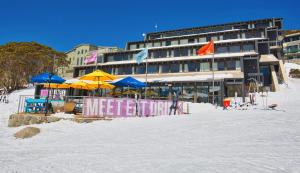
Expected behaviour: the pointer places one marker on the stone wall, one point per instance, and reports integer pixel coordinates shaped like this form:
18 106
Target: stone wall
16 120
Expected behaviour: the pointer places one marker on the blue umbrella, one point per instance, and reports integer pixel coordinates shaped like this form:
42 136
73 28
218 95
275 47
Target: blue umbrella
129 82
47 78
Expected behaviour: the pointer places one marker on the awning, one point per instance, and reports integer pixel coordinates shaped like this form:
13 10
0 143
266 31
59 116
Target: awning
268 58
193 78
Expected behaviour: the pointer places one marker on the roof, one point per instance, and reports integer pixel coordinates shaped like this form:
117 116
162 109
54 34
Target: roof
83 44
268 58
212 26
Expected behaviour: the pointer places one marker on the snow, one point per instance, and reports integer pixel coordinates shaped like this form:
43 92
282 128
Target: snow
209 140
63 115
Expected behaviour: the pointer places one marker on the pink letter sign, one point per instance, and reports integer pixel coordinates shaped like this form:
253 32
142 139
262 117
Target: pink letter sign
123 107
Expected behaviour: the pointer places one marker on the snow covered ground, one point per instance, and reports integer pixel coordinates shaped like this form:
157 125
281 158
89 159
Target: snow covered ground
209 140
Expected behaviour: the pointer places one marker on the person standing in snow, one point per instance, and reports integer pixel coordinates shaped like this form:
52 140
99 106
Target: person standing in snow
174 102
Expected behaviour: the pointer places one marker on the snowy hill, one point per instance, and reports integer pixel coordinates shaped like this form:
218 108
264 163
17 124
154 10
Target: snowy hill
208 140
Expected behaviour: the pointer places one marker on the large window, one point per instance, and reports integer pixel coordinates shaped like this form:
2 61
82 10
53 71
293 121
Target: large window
175 68
140 69
202 39
221 66
132 46
231 65
204 66
165 68
222 49
152 69
234 49
192 67
248 47
157 44
174 42
228 36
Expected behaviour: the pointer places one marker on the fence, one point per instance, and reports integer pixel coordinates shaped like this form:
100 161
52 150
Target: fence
114 107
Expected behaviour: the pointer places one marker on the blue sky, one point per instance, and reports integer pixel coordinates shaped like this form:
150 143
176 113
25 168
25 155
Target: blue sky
62 24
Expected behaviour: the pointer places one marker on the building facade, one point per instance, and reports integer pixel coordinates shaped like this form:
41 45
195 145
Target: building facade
291 47
78 55
243 51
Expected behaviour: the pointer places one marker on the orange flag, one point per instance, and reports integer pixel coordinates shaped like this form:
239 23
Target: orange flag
209 48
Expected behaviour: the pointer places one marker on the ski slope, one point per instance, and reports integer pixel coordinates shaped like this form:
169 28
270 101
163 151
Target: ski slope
208 140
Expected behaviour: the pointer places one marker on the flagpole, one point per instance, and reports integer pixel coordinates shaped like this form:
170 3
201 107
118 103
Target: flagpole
146 77
213 79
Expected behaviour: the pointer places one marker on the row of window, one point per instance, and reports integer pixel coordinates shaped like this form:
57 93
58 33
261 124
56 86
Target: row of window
175 67
185 51
260 24
82 51
200 39
293 38
292 49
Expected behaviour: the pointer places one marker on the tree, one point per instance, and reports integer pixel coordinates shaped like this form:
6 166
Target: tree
21 60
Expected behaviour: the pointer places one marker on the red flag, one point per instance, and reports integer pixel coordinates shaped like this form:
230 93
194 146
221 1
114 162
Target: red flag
209 48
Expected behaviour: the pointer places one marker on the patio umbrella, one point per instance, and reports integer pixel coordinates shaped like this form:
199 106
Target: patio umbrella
57 86
98 76
82 85
129 82
100 84
47 78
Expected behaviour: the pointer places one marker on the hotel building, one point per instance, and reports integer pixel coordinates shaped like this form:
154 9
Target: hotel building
243 50
291 47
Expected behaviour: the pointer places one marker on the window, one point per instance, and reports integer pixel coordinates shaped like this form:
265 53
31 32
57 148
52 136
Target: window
110 58
153 69
234 49
248 47
214 38
157 44
231 65
228 36
140 69
202 39
204 66
81 51
127 70
215 66
222 49
175 68
184 41
142 45
77 61
238 65
191 40
132 46
221 66
168 43
81 60
165 68
85 51
149 44
192 67
184 52
174 42
176 52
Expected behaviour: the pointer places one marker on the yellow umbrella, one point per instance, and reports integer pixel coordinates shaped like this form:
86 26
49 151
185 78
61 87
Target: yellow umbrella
57 86
98 75
82 85
100 84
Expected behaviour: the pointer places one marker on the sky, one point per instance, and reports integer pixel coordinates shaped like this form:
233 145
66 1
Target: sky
63 24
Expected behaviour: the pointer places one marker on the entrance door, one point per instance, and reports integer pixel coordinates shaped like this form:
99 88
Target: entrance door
265 70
